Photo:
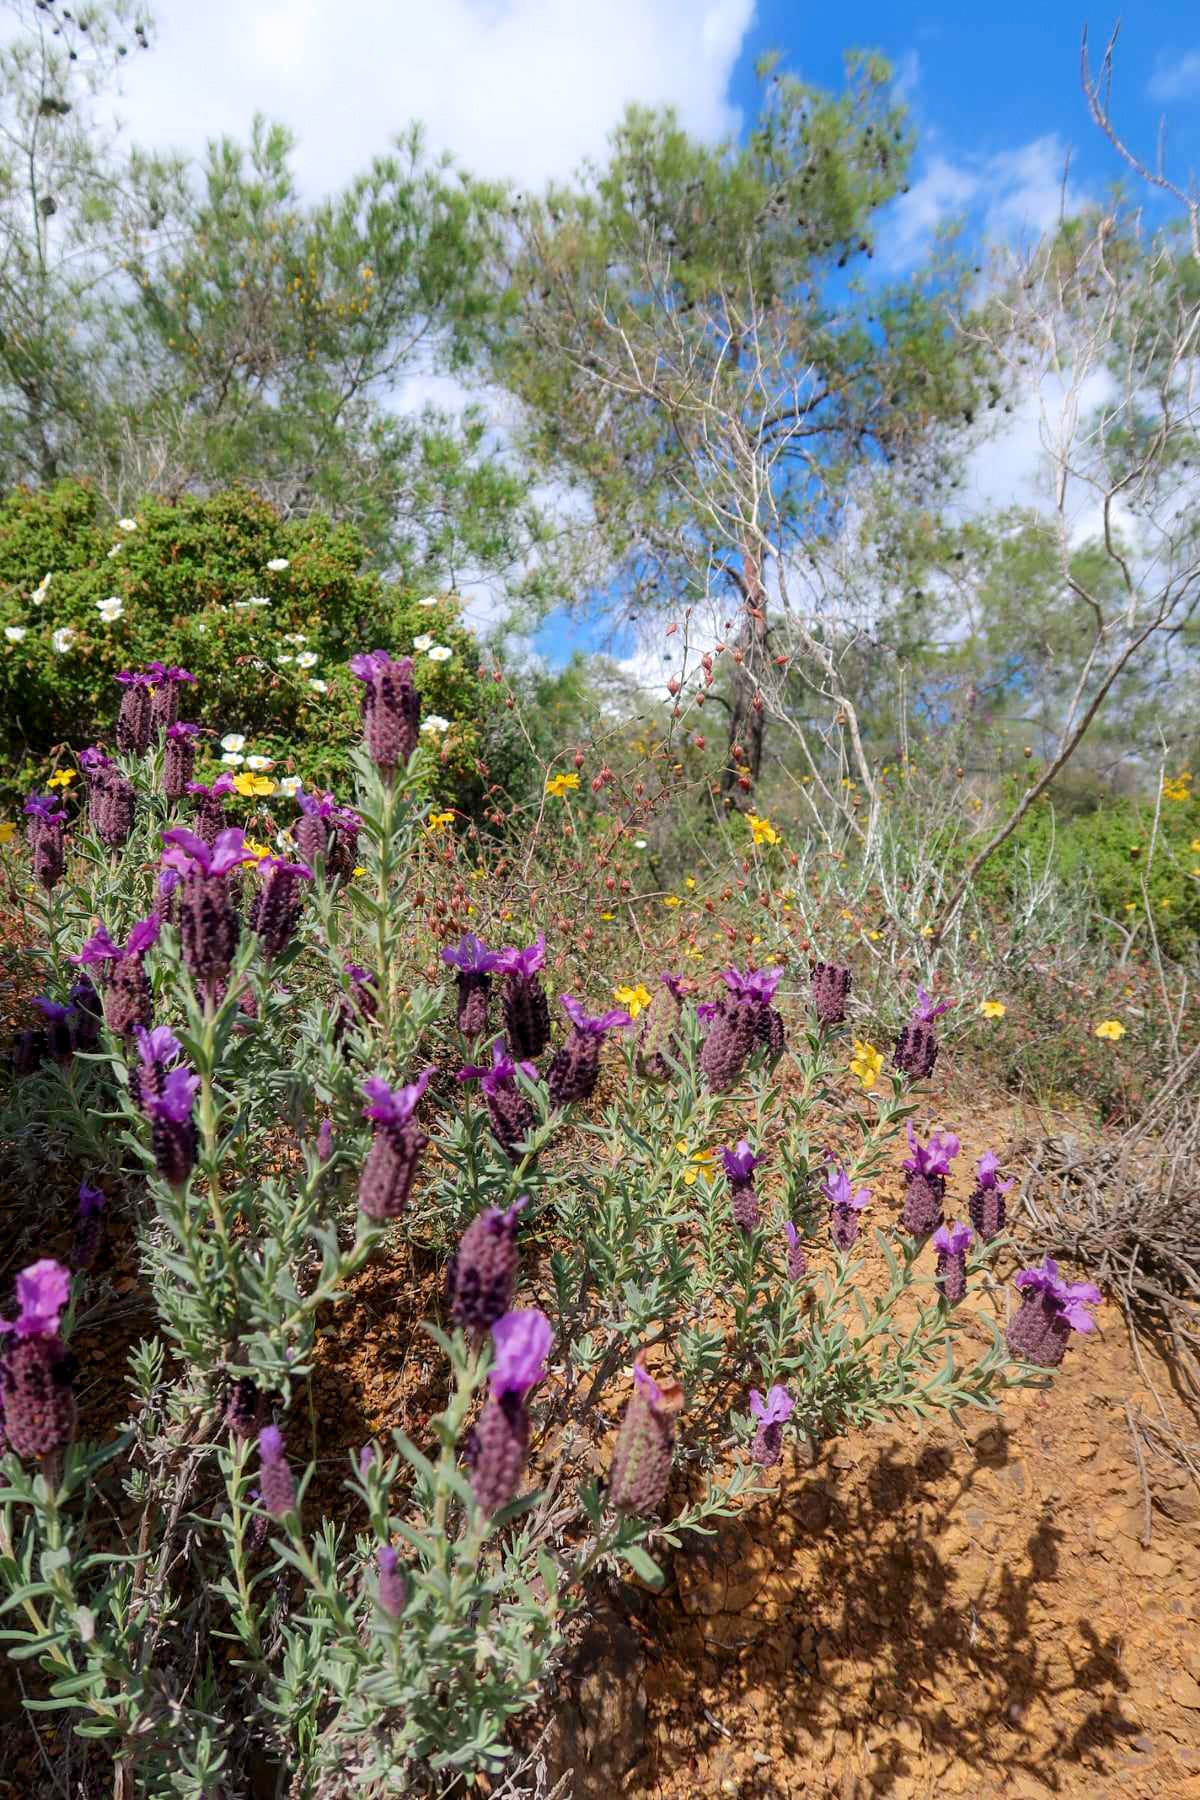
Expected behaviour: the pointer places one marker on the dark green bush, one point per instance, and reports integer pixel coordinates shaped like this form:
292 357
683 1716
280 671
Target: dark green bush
183 576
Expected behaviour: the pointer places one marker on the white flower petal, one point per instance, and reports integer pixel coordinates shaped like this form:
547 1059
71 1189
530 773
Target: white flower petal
295 637
259 763
126 524
233 740
14 633
285 659
440 653
424 642
319 687
430 600
307 659
278 564
290 785
115 551
62 639
435 722
232 760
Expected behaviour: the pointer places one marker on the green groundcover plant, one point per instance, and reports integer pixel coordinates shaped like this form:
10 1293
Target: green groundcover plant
233 1044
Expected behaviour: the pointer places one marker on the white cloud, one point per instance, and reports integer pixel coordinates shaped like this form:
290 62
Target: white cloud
1015 194
513 88
1175 78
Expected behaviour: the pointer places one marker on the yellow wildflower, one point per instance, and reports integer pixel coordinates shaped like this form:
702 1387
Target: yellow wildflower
253 785
689 881
561 784
358 869
866 1063
672 900
8 831
1111 1029
435 821
992 1009
1195 845
700 1162
61 778
1177 787
257 850
633 999
874 936
762 830
608 915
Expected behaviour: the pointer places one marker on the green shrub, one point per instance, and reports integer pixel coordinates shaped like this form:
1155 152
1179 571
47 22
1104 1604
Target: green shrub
186 577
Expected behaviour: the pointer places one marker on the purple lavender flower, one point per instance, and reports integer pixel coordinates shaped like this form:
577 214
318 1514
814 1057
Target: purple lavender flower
387 1174
209 812
475 964
771 1414
509 1112
133 719
179 758
89 1227
641 1464
127 997
208 920
275 909
916 1049
325 1141
362 1004
44 834
757 986
845 1205
391 708
159 1051
987 1208
247 1408
60 1019
797 1262
89 1013
925 1181
658 1042
164 695
731 1036
1050 1310
37 1369
481 1273
740 1165
499 1443
275 1477
523 999
311 830
172 1128
575 1068
951 1243
391 1590
830 984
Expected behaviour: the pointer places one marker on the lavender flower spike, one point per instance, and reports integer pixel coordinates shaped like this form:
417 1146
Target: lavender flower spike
797 1262
89 1227
499 1443
482 1271
740 1165
509 1111
575 1070
275 1478
845 1204
916 1049
391 1165
830 986
208 920
987 1208
475 964
133 719
641 1464
757 987
771 1414
179 758
37 1369
1051 1309
391 1590
952 1243
44 834
275 909
159 1050
526 1009
391 707
173 1130
925 1180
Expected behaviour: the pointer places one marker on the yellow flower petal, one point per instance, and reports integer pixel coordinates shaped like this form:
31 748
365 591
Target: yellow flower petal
866 1063
8 831
61 778
253 785
992 1009
1110 1029
561 784
633 998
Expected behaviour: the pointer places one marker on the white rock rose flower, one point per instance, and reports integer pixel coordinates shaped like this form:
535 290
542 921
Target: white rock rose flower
110 609
62 639
289 786
319 687
436 723
232 760
424 642
14 633
307 659
285 659
259 763
278 564
440 653
429 600
126 524
233 740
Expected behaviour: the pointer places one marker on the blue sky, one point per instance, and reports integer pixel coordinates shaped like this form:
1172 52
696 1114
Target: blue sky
996 98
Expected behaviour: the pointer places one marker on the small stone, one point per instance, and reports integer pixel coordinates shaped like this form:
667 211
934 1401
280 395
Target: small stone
1184 1690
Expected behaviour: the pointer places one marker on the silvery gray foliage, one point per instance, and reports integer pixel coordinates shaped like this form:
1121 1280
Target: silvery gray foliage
629 1247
